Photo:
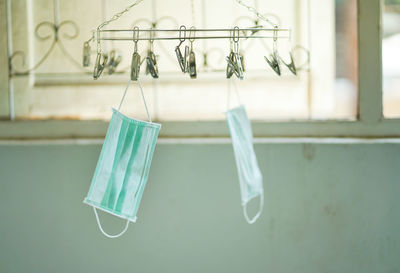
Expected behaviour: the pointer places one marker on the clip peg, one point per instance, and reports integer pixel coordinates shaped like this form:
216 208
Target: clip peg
86 54
100 65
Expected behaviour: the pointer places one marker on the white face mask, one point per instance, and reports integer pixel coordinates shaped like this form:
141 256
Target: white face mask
250 177
123 167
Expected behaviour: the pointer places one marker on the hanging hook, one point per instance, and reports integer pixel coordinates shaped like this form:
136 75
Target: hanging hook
234 60
151 40
135 37
191 65
182 60
151 60
135 64
239 53
274 60
101 59
237 57
192 37
182 38
230 67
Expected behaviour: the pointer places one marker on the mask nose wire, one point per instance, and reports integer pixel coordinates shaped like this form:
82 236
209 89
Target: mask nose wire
143 97
105 233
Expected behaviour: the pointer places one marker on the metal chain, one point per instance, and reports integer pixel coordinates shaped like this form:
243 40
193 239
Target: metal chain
119 14
193 12
114 18
127 9
259 15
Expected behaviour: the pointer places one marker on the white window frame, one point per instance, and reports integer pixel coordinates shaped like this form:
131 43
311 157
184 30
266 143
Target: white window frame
369 123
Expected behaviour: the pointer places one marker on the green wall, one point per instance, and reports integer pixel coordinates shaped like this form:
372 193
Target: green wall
329 208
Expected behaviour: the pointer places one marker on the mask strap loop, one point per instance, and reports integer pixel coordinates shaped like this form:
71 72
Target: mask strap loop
144 101
143 97
230 91
254 219
105 233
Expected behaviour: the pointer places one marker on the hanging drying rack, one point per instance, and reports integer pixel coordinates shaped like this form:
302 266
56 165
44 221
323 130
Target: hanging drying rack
58 31
235 63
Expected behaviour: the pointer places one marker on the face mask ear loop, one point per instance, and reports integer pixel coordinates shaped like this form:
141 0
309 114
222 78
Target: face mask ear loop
144 101
123 96
252 221
143 97
228 95
236 93
105 233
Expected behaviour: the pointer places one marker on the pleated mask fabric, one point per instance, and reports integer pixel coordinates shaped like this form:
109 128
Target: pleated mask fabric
250 177
123 167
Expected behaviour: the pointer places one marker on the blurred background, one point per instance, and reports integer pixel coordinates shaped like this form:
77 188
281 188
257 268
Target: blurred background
331 204
323 42
390 58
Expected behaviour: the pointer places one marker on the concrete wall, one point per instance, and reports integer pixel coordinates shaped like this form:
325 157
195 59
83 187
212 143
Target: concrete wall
329 208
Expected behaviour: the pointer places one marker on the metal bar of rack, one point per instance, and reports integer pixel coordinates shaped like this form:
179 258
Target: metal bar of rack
243 34
198 30
177 38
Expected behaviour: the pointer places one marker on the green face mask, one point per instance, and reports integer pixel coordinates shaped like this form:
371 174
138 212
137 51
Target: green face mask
250 177
123 167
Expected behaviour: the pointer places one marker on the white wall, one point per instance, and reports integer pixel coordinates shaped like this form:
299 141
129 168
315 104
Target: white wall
329 208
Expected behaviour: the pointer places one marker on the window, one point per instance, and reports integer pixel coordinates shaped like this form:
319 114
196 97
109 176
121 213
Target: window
390 58
338 93
58 89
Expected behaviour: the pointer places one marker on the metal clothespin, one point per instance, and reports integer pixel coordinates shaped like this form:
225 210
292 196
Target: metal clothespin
191 64
182 60
87 51
242 61
101 61
135 64
230 67
114 60
274 60
256 27
291 66
151 61
86 54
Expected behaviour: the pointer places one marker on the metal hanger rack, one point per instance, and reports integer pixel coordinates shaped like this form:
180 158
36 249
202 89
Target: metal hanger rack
187 61
57 31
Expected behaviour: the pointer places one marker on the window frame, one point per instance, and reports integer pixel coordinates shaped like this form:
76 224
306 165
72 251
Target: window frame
370 121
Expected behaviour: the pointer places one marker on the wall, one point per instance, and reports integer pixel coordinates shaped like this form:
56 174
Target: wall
329 208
